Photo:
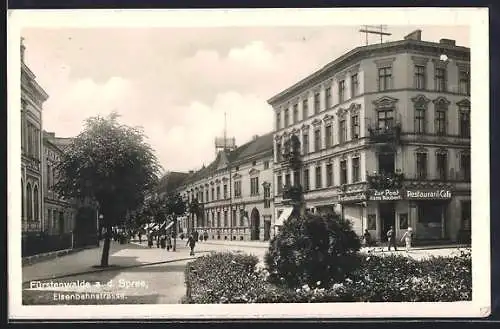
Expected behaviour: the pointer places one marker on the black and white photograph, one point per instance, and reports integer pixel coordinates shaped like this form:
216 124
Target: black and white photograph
174 161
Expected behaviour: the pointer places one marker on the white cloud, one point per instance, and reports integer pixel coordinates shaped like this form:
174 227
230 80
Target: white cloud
254 54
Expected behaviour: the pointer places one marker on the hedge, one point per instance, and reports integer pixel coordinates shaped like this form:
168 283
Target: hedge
234 278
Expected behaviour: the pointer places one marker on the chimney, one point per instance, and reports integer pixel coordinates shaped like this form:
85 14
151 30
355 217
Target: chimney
448 42
415 35
191 171
23 48
254 138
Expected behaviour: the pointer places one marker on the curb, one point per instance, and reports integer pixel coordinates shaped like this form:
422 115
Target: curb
114 268
236 245
30 260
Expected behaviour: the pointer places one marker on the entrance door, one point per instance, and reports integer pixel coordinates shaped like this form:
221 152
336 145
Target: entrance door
267 230
255 225
387 212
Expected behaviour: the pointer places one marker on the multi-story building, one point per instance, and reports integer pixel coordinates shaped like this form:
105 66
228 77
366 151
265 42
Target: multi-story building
235 192
59 212
32 99
383 138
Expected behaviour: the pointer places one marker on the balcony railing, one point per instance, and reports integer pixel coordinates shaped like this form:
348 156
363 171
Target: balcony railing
292 192
387 134
384 180
291 154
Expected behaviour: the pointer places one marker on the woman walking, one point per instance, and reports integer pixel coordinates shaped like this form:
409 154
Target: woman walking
191 242
408 237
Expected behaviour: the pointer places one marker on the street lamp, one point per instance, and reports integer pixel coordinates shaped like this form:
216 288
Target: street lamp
99 221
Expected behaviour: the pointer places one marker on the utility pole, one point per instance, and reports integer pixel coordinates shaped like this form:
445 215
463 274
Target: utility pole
375 29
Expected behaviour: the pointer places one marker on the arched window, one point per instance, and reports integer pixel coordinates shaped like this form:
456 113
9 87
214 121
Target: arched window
23 204
29 201
35 203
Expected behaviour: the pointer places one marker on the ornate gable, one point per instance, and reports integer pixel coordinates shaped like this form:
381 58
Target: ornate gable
253 172
385 101
441 101
464 103
354 108
304 127
420 100
327 118
236 176
316 122
341 112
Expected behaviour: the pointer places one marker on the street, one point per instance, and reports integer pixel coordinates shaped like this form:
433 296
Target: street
138 274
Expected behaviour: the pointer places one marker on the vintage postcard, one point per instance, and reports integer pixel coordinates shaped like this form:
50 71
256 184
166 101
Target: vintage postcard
248 163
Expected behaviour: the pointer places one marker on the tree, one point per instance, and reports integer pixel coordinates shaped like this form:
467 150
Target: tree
194 209
112 164
176 207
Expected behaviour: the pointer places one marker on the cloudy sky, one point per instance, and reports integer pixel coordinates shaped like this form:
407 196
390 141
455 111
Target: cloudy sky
177 83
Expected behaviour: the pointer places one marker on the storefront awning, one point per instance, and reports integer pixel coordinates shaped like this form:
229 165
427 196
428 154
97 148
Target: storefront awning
284 216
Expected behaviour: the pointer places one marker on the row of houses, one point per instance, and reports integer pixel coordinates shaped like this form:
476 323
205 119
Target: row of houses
381 136
49 221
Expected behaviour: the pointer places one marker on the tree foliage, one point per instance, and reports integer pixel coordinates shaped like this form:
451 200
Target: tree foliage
110 163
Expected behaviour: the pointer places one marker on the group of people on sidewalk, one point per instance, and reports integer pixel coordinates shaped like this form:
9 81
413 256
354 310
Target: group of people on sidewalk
391 239
164 240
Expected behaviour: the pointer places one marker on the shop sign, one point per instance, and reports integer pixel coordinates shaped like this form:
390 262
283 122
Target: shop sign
356 197
386 195
428 194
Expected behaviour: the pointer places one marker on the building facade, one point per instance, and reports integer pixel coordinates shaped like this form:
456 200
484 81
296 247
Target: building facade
32 99
234 193
59 212
383 138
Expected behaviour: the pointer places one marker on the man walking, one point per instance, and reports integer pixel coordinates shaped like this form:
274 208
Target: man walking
191 242
391 236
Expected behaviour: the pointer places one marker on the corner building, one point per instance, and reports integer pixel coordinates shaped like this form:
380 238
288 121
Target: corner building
234 193
383 139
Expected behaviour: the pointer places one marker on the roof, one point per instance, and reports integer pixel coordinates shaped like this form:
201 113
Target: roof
170 181
260 146
363 51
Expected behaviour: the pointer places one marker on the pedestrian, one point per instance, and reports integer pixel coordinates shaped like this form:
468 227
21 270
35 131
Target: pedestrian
205 236
169 242
191 242
368 238
139 235
408 238
163 241
150 240
391 237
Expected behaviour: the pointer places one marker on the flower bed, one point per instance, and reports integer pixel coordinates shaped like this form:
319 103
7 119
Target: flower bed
234 278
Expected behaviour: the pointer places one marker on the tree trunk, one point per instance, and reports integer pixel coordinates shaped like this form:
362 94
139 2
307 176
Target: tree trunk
105 248
174 229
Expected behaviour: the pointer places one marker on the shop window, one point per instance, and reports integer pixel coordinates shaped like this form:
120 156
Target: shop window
372 222
403 221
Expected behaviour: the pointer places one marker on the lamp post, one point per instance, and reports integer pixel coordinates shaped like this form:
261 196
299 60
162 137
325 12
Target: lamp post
99 221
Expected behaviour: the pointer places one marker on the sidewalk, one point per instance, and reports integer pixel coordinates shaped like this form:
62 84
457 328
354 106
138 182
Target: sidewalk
121 256
248 244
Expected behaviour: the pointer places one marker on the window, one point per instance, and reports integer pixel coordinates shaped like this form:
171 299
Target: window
213 194
287 118
341 91
440 79
29 202
328 97
329 174
355 127
463 83
343 172
237 189
201 196
233 218
465 168
354 85
316 103
254 163
355 170
295 113
441 121
279 183
207 196
287 180
421 165
296 178
218 192
318 177
218 219
317 140
328 136
226 222
385 119
36 204
266 164
254 186
464 123
442 166
420 119
279 155
419 77
306 180
278 121
384 78
49 181
342 131
305 143
267 197
305 109
225 191
466 213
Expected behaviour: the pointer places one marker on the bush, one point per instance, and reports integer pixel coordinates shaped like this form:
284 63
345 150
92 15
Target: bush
313 249
234 278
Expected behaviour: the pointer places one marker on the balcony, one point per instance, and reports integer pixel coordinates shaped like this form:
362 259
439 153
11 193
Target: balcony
382 180
387 134
292 193
291 156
